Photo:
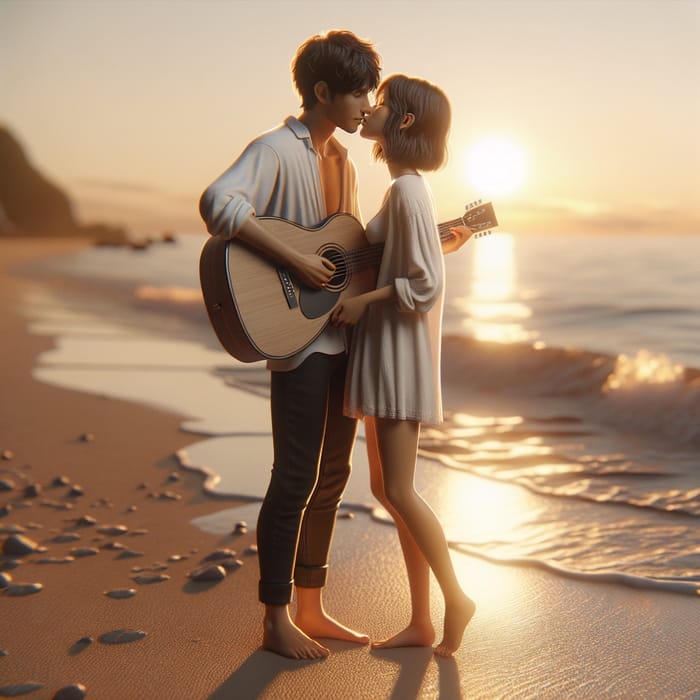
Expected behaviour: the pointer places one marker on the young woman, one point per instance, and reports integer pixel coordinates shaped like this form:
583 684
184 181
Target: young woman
393 379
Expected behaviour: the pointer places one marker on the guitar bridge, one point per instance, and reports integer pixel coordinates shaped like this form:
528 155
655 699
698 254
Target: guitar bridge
287 287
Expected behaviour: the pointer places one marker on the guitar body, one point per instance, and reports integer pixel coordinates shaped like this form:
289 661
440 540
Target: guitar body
256 307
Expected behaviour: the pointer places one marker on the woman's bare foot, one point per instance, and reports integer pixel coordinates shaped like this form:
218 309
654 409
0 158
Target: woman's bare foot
321 625
457 617
283 637
415 635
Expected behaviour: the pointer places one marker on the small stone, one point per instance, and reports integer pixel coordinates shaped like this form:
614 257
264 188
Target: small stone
346 515
5 510
4 652
252 549
55 560
142 486
16 689
5 580
241 528
86 520
87 437
174 476
66 537
132 509
8 454
6 564
85 641
84 551
140 531
12 529
151 578
168 496
6 484
60 481
112 530
130 554
220 554
210 572
122 636
22 589
19 545
114 545
177 557
76 490
120 593
231 564
76 691
32 491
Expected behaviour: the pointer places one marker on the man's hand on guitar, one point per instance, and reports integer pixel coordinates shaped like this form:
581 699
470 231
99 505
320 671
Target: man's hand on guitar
314 271
460 235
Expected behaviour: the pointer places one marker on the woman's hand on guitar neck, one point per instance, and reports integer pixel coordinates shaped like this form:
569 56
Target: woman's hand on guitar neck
460 235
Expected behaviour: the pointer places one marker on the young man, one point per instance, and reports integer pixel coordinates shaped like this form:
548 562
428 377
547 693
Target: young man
300 172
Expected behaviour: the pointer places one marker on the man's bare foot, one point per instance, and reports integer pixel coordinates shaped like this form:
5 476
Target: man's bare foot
283 637
319 624
415 635
457 617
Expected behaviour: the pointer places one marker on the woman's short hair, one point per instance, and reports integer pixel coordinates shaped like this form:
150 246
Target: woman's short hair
340 59
423 144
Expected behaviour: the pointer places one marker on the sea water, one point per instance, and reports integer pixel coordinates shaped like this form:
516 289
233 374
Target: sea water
570 374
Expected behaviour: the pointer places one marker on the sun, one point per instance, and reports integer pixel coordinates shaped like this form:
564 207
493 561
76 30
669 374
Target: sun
495 166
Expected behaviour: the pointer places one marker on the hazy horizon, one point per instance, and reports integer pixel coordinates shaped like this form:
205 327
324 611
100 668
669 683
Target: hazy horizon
133 108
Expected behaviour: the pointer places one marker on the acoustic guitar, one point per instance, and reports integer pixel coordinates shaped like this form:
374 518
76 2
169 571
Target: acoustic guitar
258 309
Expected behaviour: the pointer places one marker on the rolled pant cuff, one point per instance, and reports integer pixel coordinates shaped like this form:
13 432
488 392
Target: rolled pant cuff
311 576
275 593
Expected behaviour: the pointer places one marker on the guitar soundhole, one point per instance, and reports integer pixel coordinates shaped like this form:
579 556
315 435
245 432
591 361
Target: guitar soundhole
341 276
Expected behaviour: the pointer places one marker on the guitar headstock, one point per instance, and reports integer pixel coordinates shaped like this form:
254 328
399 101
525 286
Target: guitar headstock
480 217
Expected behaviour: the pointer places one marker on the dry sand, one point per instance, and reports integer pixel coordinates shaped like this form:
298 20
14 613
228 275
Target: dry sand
534 635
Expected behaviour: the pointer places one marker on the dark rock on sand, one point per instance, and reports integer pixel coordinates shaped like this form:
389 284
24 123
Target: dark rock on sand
87 437
174 476
114 545
84 551
75 491
55 560
7 454
151 578
208 572
4 652
86 521
241 528
19 545
66 537
76 691
5 580
120 593
32 491
177 558
112 530
17 689
130 554
22 589
5 510
220 554
252 549
60 481
6 484
122 636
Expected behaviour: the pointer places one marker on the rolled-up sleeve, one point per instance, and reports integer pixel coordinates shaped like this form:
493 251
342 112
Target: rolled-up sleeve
419 243
246 186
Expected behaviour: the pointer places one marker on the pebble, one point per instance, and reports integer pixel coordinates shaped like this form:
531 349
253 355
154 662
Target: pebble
76 691
84 551
84 641
22 589
112 530
209 572
121 593
32 491
66 537
6 564
6 484
114 545
132 509
220 554
130 554
12 529
177 557
166 496
5 510
5 580
8 454
16 689
252 549
19 544
86 520
174 476
151 578
241 528
140 531
60 481
346 515
4 652
55 560
122 636
87 437
76 490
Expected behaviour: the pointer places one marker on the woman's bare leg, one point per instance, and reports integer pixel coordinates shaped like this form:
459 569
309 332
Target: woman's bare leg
419 631
397 443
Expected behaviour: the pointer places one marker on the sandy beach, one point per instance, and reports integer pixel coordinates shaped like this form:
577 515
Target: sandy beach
534 634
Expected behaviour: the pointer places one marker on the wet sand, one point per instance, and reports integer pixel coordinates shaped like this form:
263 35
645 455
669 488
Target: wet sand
534 635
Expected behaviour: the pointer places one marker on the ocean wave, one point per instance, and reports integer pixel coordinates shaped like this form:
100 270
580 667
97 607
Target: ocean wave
643 393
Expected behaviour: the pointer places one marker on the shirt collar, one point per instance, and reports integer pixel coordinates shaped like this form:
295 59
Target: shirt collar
301 132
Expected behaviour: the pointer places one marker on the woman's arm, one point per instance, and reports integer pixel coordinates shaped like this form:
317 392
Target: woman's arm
350 311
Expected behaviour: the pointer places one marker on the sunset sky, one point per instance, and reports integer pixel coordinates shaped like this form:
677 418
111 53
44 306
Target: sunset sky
134 107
